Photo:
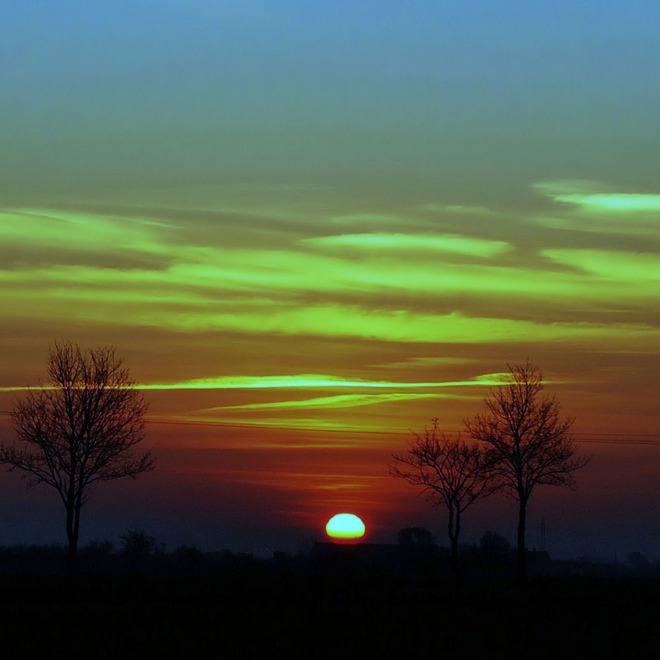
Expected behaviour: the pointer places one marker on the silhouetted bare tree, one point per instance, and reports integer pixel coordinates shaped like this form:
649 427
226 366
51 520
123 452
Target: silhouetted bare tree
451 473
79 429
528 442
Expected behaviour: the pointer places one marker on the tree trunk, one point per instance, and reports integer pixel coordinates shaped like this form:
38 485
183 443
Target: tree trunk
454 529
522 552
72 518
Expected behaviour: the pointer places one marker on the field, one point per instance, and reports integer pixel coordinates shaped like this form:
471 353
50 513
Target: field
255 609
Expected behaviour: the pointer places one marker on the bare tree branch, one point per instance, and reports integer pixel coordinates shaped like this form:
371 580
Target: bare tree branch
451 474
528 443
79 429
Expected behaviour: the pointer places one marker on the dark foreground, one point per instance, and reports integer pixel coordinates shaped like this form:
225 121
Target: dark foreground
265 610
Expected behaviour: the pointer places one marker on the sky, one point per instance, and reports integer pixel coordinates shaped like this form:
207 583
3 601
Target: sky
310 228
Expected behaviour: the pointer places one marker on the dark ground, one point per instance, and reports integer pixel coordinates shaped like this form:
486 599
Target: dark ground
238 607
261 615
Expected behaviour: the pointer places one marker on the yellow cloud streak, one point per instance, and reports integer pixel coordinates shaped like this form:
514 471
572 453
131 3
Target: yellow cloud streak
362 430
204 288
314 381
304 481
450 243
79 231
200 272
330 320
186 284
339 401
308 381
639 268
213 272
400 326
198 277
593 196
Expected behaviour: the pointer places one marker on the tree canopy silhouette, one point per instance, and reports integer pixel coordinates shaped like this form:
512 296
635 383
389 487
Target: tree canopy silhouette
451 473
79 429
528 442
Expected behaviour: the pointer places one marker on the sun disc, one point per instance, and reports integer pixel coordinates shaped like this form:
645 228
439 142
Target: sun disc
344 527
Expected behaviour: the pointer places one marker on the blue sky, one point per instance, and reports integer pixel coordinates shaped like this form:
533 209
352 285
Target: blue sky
102 93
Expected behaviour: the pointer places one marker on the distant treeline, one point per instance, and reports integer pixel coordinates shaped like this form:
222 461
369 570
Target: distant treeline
416 554
397 600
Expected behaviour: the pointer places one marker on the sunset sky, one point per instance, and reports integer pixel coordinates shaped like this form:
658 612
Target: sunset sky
312 227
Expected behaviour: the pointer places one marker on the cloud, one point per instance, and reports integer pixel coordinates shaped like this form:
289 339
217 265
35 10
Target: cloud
642 269
202 279
592 196
311 381
303 481
435 287
419 243
399 326
427 361
56 233
334 432
339 401
146 301
594 207
369 220
314 381
457 209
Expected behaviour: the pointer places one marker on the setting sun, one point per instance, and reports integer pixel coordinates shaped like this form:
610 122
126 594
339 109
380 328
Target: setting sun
345 526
